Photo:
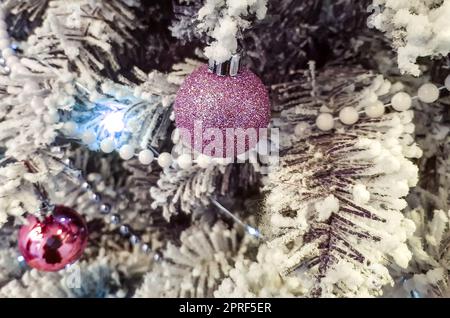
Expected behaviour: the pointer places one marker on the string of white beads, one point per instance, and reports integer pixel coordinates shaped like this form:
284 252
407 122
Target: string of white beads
428 93
203 161
375 110
8 54
401 101
165 160
348 115
126 152
146 156
447 83
325 121
107 145
184 161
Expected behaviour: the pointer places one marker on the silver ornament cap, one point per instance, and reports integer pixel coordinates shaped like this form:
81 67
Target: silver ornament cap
230 67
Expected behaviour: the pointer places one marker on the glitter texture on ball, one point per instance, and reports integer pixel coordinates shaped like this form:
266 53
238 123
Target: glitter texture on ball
220 116
55 242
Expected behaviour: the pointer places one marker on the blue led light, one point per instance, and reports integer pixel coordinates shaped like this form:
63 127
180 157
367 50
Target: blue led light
124 119
113 122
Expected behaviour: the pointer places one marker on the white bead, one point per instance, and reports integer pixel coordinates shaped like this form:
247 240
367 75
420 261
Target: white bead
146 157
70 128
375 110
126 152
401 101
107 145
184 161
300 129
447 82
428 93
325 122
203 161
348 115
88 137
165 160
3 25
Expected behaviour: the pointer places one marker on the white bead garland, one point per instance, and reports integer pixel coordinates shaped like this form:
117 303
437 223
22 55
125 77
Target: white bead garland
184 161
88 137
165 160
325 121
203 161
348 115
375 110
447 83
126 152
428 93
107 145
146 156
70 128
401 101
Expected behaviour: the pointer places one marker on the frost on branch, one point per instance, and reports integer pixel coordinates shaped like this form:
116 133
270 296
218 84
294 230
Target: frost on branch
430 246
295 32
334 203
188 190
259 278
84 36
25 15
196 267
418 28
18 184
224 20
8 265
432 134
120 113
102 276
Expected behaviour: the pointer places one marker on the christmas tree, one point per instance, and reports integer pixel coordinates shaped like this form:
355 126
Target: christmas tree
224 148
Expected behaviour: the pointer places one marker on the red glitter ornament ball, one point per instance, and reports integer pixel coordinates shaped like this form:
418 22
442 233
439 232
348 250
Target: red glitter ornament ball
55 242
221 116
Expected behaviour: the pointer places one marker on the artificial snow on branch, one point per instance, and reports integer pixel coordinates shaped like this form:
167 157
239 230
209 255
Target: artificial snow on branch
189 190
259 278
430 246
417 28
197 266
101 276
83 36
224 20
334 204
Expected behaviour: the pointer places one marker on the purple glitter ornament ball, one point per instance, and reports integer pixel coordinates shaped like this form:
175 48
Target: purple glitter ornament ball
221 116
